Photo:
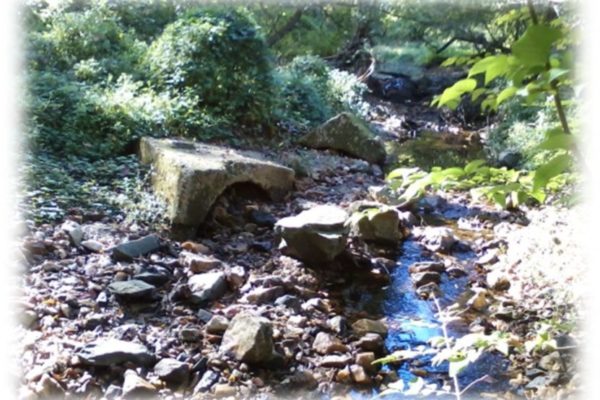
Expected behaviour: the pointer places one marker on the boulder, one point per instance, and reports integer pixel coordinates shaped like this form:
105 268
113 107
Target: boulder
315 236
249 338
380 225
109 352
347 134
191 176
207 287
438 239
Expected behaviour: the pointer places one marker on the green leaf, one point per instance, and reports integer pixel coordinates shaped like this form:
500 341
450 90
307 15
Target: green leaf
549 170
556 73
533 48
492 66
452 94
500 199
473 165
506 94
560 141
449 61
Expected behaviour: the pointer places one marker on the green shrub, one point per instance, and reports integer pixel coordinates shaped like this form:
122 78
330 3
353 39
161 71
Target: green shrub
311 91
72 36
222 58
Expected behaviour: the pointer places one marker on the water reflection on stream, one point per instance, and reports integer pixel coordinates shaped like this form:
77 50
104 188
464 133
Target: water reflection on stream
412 321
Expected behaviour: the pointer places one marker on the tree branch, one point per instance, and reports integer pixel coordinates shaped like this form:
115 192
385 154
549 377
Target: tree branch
286 28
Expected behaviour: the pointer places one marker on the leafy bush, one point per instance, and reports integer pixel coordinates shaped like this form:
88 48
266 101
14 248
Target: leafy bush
221 58
71 36
311 91
507 188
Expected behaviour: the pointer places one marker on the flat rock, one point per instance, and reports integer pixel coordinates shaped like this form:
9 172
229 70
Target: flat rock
172 371
207 286
136 386
365 325
190 177
347 134
108 352
249 338
129 250
132 290
315 236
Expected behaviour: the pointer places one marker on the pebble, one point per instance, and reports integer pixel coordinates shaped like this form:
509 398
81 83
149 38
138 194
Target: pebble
289 301
264 295
359 375
134 385
217 325
427 266
370 342
327 344
209 378
93 245
224 390
194 247
204 315
365 360
190 334
365 325
338 324
198 263
236 276
132 290
423 278
335 361
172 371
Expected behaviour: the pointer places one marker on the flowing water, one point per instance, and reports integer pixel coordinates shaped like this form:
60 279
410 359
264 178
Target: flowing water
412 321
